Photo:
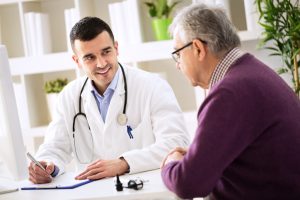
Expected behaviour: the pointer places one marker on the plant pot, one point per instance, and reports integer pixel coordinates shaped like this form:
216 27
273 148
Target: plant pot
160 28
51 100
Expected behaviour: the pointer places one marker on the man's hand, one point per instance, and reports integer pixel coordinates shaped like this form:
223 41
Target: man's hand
174 155
38 175
104 168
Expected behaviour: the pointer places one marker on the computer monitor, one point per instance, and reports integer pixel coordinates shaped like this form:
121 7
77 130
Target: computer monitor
13 162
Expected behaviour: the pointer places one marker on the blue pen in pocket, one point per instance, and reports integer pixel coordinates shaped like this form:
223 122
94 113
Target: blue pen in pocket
129 129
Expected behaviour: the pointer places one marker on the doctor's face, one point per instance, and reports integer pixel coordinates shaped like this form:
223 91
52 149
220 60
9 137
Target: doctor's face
98 59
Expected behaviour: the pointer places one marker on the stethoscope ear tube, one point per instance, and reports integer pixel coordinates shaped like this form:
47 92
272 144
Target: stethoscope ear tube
79 106
122 118
125 88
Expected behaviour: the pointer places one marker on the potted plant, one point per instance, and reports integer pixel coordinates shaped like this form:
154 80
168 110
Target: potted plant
52 88
280 21
160 12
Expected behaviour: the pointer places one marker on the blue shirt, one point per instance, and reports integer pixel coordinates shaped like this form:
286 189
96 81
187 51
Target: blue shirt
104 101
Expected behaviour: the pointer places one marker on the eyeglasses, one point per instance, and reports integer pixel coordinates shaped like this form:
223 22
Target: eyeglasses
176 54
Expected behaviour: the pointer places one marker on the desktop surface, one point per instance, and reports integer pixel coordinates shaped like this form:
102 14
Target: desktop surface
103 189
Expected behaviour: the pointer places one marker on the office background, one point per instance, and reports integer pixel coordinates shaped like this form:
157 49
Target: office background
44 54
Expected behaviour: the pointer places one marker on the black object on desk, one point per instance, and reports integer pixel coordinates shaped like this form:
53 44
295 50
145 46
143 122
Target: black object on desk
119 185
132 184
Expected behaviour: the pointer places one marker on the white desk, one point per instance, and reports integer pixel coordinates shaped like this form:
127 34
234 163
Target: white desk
102 189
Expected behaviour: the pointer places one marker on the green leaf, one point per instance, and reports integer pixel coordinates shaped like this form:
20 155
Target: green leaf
152 9
282 70
275 54
55 86
161 8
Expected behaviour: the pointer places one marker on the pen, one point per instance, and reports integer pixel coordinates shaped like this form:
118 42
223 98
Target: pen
129 129
35 161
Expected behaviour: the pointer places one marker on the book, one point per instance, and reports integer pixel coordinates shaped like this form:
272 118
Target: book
132 20
252 16
43 36
37 29
71 18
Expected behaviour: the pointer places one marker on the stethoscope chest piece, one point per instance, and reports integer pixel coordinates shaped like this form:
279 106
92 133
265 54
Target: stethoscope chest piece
122 119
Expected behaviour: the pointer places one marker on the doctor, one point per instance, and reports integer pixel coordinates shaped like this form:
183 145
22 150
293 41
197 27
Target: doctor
116 120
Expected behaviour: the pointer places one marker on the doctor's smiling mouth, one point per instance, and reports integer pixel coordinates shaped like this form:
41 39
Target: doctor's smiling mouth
103 71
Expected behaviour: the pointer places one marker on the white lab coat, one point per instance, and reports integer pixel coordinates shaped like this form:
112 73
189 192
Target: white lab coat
152 111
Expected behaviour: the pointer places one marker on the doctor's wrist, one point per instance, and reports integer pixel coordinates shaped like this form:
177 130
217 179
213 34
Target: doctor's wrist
55 171
125 166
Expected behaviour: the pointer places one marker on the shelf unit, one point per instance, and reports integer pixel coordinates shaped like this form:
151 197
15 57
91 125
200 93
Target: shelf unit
30 72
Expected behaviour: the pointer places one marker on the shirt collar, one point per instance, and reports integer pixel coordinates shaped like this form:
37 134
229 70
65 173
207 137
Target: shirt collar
111 87
224 65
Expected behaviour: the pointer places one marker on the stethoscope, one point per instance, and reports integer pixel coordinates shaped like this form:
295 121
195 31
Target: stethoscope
121 118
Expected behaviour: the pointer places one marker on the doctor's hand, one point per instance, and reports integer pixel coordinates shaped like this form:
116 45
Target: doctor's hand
174 155
104 168
38 175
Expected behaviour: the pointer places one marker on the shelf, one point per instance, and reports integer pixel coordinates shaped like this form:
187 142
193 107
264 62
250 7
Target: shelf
5 2
42 64
159 50
62 61
148 51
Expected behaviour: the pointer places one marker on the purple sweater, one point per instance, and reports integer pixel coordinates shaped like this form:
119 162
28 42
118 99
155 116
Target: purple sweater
247 144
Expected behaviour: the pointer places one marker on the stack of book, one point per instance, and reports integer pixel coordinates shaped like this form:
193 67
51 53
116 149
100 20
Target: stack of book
125 22
37 33
71 18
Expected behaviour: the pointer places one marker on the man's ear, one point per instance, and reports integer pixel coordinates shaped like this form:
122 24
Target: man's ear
200 49
76 60
116 45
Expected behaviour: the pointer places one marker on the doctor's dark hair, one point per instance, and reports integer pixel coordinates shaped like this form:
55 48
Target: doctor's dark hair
88 28
208 23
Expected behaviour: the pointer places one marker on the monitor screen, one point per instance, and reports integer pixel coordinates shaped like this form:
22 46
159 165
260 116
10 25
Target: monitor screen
13 162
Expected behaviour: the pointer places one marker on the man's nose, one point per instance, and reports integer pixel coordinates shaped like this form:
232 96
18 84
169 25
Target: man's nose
101 62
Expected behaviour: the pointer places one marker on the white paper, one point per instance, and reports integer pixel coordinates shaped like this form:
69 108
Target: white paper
66 179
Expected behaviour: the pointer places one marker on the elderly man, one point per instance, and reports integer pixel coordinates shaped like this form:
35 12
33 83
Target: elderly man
247 143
